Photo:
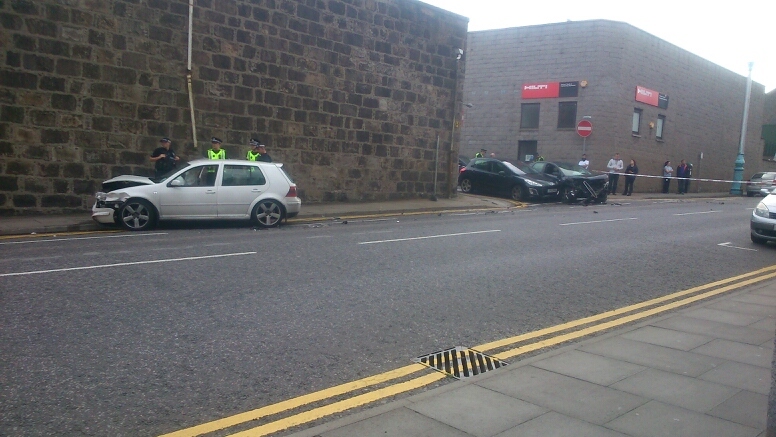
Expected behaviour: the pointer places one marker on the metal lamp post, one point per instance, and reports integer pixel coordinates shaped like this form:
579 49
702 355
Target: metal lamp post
738 172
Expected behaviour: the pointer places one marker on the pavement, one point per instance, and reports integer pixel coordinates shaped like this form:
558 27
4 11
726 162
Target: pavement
701 367
317 212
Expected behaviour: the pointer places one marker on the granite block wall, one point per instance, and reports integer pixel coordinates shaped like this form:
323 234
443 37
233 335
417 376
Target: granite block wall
349 94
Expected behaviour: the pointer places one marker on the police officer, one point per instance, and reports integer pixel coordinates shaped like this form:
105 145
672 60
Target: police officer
164 158
264 155
480 154
216 152
254 154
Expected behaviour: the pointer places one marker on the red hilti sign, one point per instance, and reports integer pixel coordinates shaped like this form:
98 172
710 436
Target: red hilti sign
542 90
651 97
646 95
584 128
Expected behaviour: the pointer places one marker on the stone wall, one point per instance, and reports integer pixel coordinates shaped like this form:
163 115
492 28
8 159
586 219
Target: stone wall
350 95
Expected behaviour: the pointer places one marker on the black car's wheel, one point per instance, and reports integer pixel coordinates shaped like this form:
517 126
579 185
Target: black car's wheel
137 215
519 192
466 185
758 240
568 196
750 194
601 198
268 213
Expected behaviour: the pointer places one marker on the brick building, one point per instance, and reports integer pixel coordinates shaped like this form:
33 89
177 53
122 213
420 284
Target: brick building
647 99
350 95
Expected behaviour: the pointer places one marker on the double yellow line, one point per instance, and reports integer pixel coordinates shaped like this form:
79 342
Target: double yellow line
608 320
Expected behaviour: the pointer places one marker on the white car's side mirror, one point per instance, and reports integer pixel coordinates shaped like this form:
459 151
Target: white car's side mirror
176 183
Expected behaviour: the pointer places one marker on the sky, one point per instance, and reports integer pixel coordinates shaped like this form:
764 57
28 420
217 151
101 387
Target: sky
728 34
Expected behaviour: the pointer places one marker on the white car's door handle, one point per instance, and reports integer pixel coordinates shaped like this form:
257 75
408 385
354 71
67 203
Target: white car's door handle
210 192
256 190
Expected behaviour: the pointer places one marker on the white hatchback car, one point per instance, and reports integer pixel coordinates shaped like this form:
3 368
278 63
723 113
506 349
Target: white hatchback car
202 189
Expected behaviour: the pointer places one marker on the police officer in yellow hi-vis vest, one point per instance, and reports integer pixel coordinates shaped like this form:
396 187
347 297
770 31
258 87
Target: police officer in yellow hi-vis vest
254 154
216 152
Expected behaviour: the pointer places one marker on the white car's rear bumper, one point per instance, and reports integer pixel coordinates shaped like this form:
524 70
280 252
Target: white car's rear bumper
293 206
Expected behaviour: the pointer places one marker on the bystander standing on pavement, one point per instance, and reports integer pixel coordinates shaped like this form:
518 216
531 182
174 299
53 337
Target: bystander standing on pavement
584 162
682 172
615 167
667 172
164 158
630 177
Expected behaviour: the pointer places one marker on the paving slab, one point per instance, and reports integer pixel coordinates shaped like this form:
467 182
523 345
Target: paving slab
729 317
656 419
745 308
478 411
767 324
746 407
765 291
745 334
683 391
402 422
555 424
758 299
745 376
589 367
668 337
739 352
570 396
658 357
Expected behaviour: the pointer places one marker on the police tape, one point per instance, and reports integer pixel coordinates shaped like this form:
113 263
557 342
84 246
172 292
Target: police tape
671 177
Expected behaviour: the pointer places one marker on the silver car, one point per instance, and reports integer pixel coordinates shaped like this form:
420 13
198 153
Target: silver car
760 184
203 189
763 221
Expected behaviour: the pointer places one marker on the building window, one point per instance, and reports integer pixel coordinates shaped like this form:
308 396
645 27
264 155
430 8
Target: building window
661 122
636 121
529 116
567 115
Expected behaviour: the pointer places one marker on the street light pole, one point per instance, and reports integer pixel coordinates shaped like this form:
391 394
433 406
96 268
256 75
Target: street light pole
738 172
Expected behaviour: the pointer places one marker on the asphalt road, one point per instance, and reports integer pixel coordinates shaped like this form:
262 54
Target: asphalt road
144 334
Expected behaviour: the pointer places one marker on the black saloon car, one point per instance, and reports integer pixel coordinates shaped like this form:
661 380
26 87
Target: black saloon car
575 182
520 182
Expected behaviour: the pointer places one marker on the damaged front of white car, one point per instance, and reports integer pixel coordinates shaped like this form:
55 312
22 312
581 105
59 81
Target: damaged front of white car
108 201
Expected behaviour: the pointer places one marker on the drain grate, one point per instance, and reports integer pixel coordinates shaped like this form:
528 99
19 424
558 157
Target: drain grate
460 362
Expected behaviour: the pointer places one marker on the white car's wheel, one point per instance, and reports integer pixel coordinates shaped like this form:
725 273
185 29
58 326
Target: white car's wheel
268 213
137 215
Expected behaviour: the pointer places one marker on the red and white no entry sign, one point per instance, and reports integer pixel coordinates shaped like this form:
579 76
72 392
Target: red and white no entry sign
584 128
